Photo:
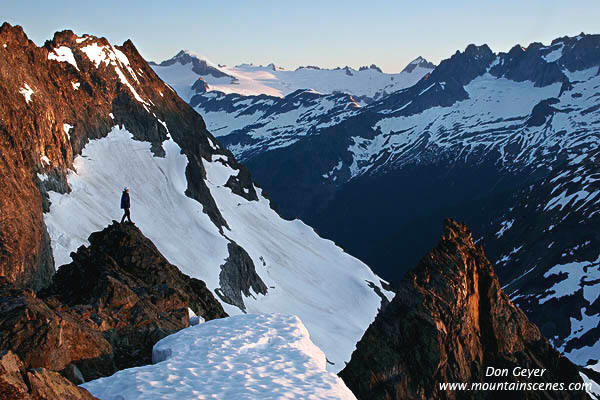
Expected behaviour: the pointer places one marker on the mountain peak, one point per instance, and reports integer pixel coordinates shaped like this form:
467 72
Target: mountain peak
185 53
476 51
372 66
418 62
200 65
185 56
452 296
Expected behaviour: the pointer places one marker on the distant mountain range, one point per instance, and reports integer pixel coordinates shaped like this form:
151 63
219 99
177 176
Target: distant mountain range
504 141
190 74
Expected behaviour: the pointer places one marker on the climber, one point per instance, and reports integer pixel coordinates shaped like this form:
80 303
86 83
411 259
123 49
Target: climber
125 203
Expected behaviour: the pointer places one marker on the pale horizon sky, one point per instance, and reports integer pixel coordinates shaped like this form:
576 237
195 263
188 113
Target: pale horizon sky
389 34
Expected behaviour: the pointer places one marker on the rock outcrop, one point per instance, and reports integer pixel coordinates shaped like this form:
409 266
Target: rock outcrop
17 383
238 275
132 293
449 322
105 310
48 334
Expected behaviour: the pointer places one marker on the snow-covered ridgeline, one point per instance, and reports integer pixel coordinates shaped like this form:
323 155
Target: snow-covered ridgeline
501 118
260 123
493 120
248 80
305 274
242 357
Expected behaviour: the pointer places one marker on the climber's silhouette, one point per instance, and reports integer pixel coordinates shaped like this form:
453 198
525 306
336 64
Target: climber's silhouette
125 203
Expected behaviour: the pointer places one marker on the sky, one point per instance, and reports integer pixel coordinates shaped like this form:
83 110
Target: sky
293 33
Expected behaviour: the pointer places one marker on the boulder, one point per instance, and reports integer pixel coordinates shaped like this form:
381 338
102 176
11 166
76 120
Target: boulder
17 383
48 334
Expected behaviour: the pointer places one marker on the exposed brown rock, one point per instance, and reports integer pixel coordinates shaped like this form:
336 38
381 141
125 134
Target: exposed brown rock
449 321
50 335
12 385
49 385
16 383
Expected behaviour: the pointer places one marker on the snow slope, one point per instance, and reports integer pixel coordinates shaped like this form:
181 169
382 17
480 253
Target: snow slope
243 357
305 275
565 209
248 79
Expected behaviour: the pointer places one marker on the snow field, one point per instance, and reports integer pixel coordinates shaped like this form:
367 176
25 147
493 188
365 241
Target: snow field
243 357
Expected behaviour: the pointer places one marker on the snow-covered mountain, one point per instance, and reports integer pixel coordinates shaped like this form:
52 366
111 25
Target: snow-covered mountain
546 246
480 138
484 137
190 74
255 262
250 125
83 118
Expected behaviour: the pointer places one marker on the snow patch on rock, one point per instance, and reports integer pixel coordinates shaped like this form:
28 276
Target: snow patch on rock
63 54
26 91
67 128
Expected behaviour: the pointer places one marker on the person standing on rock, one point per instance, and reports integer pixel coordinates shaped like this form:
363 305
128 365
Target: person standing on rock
125 204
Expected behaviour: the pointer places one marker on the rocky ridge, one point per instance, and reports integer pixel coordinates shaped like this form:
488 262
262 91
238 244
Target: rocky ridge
192 75
105 310
449 322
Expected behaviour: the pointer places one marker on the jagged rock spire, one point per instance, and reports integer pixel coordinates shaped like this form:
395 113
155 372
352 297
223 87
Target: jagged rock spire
449 322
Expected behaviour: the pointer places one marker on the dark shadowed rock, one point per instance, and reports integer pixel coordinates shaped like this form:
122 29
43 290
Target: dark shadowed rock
372 66
122 284
521 64
542 111
200 86
238 275
449 321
